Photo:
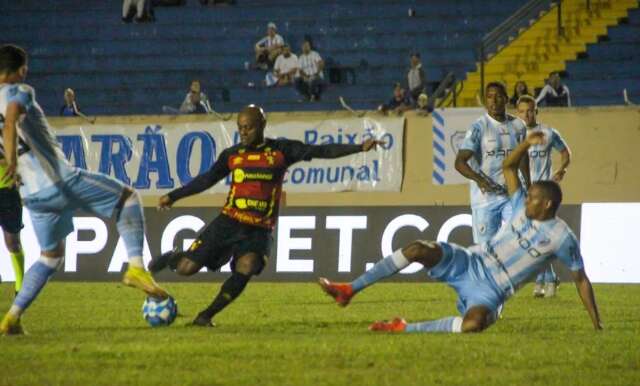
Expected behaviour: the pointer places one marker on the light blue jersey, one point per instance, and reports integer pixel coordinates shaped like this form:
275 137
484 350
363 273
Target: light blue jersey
41 161
491 141
523 246
540 155
52 188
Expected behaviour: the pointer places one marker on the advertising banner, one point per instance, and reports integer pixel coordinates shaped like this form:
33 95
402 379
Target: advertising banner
338 242
157 158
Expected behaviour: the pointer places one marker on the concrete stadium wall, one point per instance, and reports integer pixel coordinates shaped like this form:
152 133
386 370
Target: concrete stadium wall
605 142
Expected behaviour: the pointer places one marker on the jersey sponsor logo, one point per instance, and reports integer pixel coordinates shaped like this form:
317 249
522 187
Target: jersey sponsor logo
240 175
250 203
499 153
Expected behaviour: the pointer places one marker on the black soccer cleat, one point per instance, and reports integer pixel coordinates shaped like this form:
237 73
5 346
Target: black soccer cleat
161 262
202 321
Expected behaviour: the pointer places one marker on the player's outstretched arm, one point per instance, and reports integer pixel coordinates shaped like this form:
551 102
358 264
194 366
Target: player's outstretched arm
204 181
337 150
511 164
462 166
585 290
10 141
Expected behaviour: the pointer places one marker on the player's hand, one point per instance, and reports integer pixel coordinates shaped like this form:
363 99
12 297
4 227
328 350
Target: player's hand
559 175
536 138
488 186
165 202
371 144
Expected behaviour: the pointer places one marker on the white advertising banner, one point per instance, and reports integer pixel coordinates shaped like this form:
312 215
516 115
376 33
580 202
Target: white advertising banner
156 159
449 128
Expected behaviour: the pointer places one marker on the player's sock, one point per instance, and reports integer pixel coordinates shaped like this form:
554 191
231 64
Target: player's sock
383 268
450 324
35 278
131 228
17 259
231 289
540 278
550 275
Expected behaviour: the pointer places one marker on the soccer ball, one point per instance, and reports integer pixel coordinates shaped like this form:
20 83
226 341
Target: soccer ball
158 312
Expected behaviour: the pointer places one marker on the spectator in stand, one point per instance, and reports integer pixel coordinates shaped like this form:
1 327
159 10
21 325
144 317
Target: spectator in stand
195 102
519 90
399 103
286 67
416 78
422 105
311 65
140 9
269 47
555 93
70 107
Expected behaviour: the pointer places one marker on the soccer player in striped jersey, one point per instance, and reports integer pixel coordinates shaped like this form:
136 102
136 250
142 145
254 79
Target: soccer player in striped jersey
242 232
486 275
53 190
486 144
540 168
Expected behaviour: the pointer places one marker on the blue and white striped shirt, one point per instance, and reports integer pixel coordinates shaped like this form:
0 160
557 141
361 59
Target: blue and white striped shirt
41 162
540 155
491 141
523 246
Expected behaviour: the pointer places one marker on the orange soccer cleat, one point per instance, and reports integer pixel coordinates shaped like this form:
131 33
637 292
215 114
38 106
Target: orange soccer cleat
395 325
341 292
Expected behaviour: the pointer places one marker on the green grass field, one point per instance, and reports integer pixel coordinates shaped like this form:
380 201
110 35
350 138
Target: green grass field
292 334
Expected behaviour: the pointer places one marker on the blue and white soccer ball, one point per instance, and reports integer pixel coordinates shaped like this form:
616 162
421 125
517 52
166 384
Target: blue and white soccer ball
158 312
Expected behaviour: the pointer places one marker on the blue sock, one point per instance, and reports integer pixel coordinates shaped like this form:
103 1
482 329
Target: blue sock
450 324
540 277
131 228
549 274
383 268
35 278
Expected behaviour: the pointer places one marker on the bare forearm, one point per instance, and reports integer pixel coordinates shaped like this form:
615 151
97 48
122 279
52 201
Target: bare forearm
565 160
463 168
513 160
524 169
585 290
9 139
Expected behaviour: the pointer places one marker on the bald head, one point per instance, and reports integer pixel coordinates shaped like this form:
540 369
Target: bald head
251 124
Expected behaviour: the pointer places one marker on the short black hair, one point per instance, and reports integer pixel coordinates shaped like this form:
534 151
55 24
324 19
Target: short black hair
551 191
12 58
498 85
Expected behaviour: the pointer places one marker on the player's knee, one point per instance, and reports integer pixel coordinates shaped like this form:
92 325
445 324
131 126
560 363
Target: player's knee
247 265
418 250
473 325
187 267
476 319
12 241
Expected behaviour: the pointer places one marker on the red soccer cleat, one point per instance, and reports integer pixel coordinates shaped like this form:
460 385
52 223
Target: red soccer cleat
396 325
341 292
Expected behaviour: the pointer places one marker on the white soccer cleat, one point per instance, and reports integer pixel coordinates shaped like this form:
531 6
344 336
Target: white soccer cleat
538 290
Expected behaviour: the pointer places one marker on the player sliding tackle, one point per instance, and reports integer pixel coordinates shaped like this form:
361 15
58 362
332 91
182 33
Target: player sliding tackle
242 232
486 275
53 190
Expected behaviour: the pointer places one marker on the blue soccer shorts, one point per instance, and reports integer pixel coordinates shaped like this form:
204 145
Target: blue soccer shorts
52 209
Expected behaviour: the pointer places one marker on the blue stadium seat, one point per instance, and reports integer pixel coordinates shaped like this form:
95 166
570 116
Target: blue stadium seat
119 68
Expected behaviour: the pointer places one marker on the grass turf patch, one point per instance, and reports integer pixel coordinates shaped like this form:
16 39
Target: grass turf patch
292 334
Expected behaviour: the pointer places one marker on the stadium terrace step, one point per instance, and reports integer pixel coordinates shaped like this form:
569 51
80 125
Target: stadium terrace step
116 68
539 49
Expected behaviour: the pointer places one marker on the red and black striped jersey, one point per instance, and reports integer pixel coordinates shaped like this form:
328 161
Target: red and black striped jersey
256 176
